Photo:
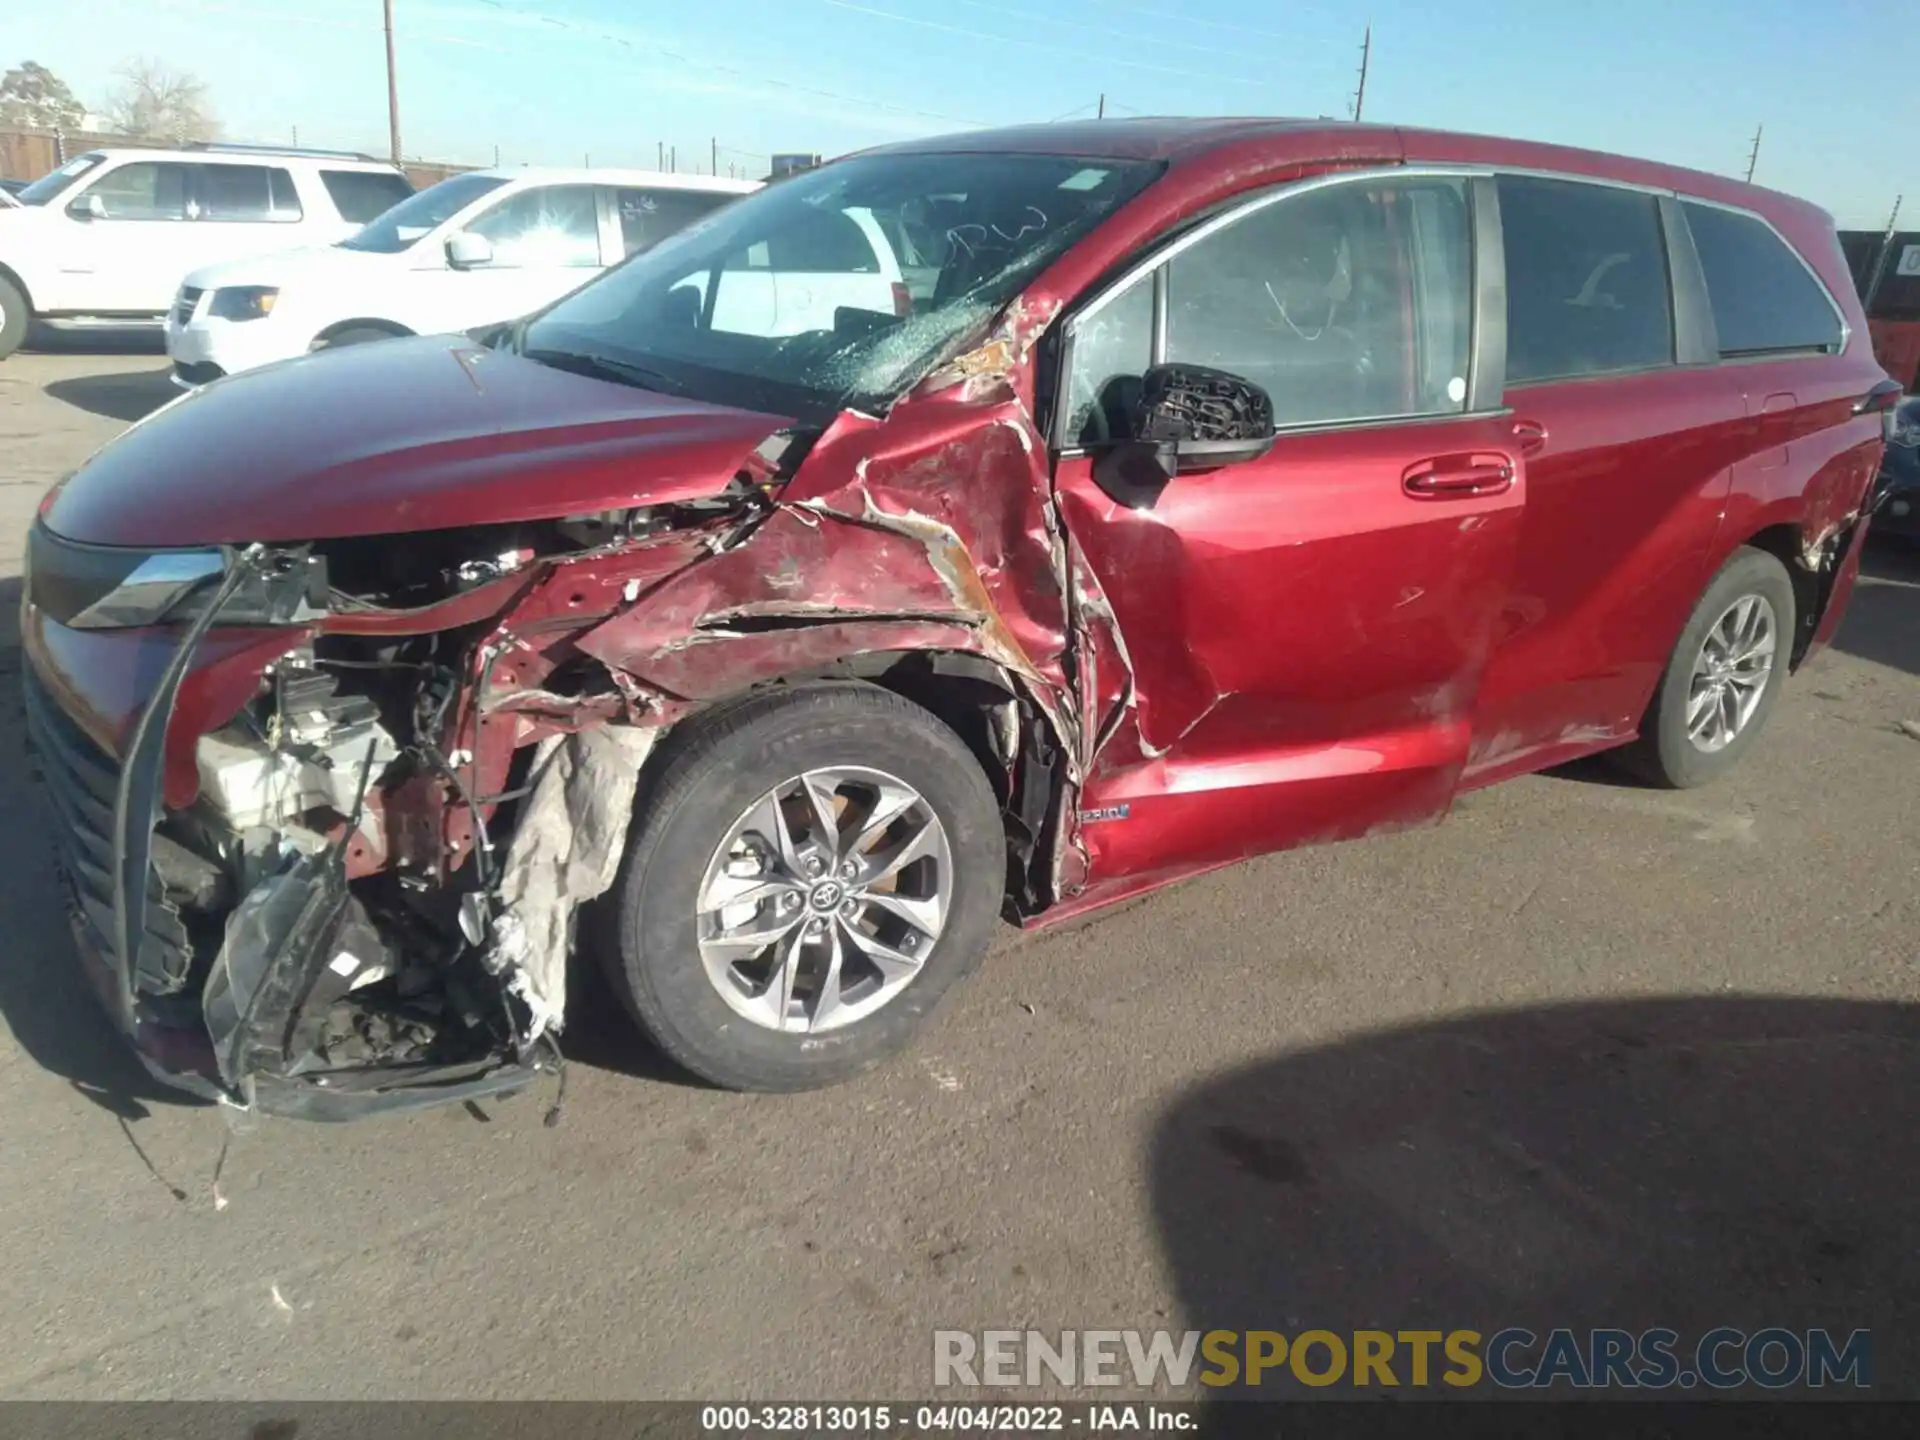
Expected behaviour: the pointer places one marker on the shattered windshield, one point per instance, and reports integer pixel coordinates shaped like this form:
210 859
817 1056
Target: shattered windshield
421 214
838 287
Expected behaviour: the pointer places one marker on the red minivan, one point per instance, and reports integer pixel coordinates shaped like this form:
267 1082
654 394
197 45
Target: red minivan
1201 488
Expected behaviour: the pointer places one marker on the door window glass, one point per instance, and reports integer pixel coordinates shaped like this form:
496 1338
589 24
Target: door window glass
1348 302
1587 290
144 190
550 225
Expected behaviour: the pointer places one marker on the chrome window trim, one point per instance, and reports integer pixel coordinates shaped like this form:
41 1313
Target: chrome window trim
1150 265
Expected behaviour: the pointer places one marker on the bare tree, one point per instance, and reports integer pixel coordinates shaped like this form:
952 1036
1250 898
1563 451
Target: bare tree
159 103
32 95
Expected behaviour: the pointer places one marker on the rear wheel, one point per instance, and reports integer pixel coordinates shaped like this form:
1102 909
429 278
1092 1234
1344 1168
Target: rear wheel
15 316
812 873
1724 676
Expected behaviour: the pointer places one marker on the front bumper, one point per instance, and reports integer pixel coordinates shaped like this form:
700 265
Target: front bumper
204 348
110 714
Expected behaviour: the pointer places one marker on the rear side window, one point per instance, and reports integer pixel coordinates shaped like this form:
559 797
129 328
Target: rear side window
360 195
1587 290
648 216
247 193
1764 299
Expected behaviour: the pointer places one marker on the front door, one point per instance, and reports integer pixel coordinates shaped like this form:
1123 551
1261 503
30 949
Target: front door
1303 634
130 239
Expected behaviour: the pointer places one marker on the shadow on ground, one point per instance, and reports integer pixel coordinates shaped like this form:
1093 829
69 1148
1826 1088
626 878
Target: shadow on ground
97 340
1688 1163
129 395
44 999
1883 621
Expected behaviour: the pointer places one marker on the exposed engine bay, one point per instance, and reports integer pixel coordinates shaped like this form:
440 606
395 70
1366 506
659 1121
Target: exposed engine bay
376 882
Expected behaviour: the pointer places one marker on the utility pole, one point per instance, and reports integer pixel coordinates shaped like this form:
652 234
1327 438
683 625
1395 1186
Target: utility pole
496 157
1366 53
659 155
1101 113
715 169
1753 155
673 159
393 87
1880 265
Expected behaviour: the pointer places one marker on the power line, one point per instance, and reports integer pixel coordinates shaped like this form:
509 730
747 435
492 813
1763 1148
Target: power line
1081 56
759 79
1159 42
1189 19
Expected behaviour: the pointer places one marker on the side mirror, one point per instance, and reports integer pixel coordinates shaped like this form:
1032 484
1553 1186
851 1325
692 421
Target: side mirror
1186 418
467 251
88 207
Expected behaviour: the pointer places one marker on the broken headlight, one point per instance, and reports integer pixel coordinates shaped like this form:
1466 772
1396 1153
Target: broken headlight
243 302
109 587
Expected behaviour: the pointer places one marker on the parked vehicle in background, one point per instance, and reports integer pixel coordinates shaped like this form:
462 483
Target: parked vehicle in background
478 248
107 236
1886 273
1227 485
1897 506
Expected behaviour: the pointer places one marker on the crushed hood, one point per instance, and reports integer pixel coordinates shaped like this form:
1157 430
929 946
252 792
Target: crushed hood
405 435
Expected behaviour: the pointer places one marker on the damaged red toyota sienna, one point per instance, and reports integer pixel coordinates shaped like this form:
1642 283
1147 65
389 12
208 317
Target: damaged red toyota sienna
1183 490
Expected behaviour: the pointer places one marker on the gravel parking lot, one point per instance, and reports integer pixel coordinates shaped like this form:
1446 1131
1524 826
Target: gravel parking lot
1586 1054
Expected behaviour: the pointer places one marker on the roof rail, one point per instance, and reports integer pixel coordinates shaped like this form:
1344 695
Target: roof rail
227 148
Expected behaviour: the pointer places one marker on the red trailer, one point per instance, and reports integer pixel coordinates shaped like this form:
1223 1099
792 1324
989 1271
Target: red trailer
1886 271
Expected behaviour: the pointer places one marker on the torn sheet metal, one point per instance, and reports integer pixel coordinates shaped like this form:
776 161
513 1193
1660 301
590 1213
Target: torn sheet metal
566 851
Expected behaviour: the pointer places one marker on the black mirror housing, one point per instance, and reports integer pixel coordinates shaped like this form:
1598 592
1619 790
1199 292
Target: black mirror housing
1211 417
1186 418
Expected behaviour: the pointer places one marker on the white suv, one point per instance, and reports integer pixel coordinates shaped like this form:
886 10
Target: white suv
474 250
108 235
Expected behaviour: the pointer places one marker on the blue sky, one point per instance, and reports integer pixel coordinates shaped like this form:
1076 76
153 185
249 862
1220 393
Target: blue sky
551 81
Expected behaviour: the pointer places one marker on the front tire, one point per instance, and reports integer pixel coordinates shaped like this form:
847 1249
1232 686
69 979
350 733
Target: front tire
1723 678
810 875
15 316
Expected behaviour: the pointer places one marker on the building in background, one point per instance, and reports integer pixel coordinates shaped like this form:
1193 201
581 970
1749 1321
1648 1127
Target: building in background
791 164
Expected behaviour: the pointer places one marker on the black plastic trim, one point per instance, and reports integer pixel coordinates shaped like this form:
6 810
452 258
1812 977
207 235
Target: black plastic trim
1487 365
1696 341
